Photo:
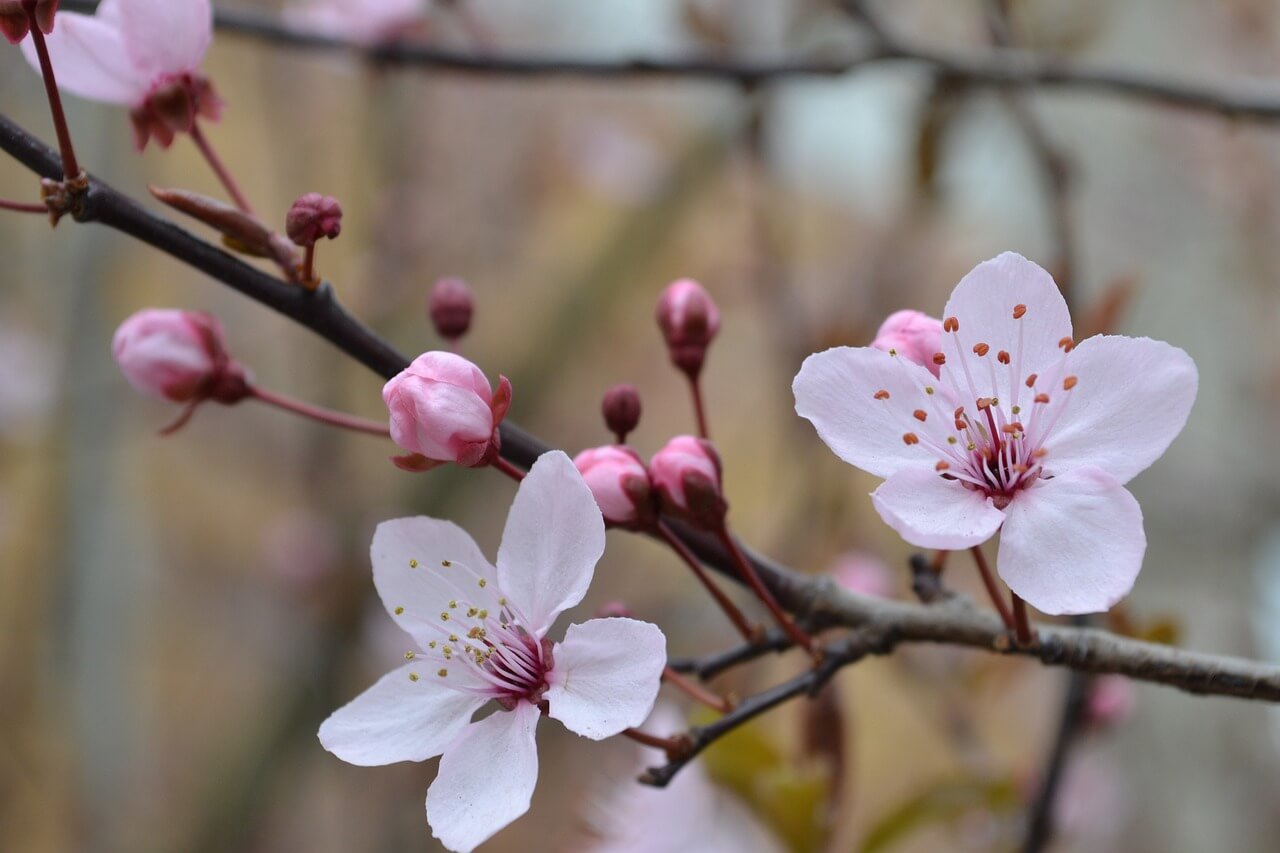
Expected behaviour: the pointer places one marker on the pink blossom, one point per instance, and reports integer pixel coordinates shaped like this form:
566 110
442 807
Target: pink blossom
15 23
913 335
686 473
689 320
364 22
620 483
865 574
1111 701
176 355
142 54
442 410
481 636
1023 432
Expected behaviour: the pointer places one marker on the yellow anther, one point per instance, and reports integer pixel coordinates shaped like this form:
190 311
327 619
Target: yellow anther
399 610
472 611
951 439
484 614
444 616
446 563
483 583
928 389
413 676
1017 410
453 638
431 645
442 672
413 564
453 604
410 655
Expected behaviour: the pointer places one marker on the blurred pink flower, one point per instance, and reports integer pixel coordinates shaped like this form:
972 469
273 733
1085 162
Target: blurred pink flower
363 22
481 636
686 473
620 483
15 23
863 573
442 410
301 549
1023 432
913 335
176 355
142 54
1112 699
689 320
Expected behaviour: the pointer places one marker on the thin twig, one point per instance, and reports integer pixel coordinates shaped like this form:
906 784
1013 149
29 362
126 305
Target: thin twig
1040 819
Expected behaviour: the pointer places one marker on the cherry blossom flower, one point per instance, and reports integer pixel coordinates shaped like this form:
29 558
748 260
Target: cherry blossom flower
914 335
142 54
364 22
1024 431
481 637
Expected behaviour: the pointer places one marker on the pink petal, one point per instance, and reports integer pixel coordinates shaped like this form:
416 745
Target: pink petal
836 390
486 778
89 59
408 571
606 675
931 512
1072 544
1131 400
553 539
165 36
398 719
983 302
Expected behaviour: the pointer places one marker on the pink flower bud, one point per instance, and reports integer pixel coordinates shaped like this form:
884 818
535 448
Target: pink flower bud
450 305
15 24
864 574
914 336
1111 701
178 356
313 216
689 320
620 483
686 474
614 610
621 410
442 410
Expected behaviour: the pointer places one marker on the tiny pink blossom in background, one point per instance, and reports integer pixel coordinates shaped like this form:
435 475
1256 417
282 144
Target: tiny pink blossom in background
863 573
1111 701
913 335
175 355
620 483
142 54
443 410
481 635
1024 431
686 473
689 320
363 22
15 23
301 550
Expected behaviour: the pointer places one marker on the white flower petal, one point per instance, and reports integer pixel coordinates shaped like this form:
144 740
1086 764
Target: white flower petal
606 676
415 586
166 36
553 539
1072 544
931 512
1131 400
398 719
486 778
89 58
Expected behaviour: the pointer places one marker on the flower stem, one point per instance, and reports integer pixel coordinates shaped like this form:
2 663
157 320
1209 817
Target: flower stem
1021 623
750 633
211 157
674 746
691 688
748 572
507 468
939 561
316 413
309 264
989 581
696 387
22 206
70 166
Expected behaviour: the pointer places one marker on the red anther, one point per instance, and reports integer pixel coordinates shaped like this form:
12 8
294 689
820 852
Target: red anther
1040 453
951 324
942 465
939 358
882 394
958 412
1069 383
984 403
920 415
910 438
1012 428
981 349
1018 311
1042 398
1066 344
1002 357
1031 380
1021 469
961 425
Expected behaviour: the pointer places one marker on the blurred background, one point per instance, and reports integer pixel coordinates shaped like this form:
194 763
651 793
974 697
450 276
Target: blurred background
178 615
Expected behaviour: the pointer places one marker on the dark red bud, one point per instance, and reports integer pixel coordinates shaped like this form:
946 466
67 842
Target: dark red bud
313 216
621 410
450 305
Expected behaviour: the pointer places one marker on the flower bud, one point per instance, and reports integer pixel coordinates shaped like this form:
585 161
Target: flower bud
686 474
621 410
450 306
613 610
912 335
313 216
620 483
1111 701
689 320
178 356
15 23
442 410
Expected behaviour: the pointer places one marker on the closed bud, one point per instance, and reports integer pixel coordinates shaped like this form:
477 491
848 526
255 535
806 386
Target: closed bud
912 335
620 483
450 305
689 320
621 410
15 23
178 356
312 217
686 474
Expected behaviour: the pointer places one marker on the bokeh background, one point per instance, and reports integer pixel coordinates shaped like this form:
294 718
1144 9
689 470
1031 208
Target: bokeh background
177 615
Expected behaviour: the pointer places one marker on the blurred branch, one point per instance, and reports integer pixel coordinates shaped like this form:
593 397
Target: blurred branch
881 624
998 67
1070 720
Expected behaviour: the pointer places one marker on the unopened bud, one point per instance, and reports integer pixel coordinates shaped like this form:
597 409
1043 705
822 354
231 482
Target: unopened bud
450 305
686 474
912 335
313 216
621 410
689 320
620 484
